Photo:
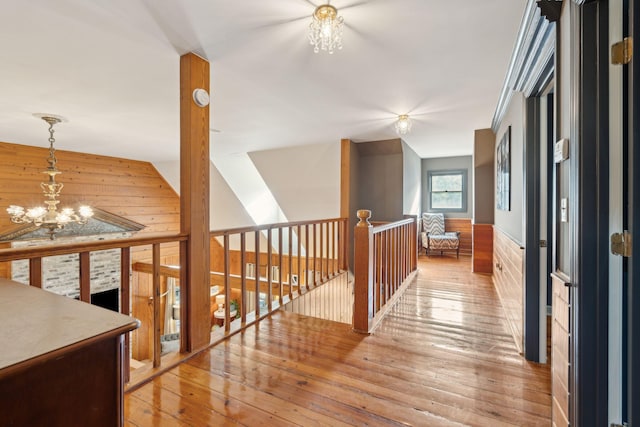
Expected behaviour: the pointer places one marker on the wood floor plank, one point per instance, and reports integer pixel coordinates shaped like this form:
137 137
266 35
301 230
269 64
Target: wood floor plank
442 356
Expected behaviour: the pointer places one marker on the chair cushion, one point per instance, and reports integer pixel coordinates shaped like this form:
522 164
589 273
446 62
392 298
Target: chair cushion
444 241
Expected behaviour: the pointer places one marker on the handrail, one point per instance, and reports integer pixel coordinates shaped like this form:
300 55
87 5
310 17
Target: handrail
264 227
10 254
385 258
392 225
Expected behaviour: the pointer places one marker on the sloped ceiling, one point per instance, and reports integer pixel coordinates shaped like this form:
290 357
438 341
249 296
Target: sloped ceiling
112 69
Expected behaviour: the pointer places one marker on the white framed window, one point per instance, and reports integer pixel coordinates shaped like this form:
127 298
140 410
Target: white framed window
447 190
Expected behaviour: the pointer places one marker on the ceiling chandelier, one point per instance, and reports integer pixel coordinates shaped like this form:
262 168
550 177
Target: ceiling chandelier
325 30
403 124
49 217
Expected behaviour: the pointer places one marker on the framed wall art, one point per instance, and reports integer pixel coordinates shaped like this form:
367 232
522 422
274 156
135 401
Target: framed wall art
503 172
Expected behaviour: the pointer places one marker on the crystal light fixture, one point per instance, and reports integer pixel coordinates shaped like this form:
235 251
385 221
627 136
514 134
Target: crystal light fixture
403 124
325 30
49 217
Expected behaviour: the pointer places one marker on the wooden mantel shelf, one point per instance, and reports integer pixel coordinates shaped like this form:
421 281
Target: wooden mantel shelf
61 359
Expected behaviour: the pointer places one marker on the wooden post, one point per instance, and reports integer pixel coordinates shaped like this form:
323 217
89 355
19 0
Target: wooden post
194 200
345 198
35 272
363 272
85 277
125 305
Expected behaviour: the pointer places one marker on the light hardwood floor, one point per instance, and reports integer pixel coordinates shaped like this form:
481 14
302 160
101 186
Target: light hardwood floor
441 357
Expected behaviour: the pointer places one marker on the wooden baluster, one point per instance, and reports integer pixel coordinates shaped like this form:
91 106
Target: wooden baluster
290 263
227 285
315 254
394 259
280 269
321 247
269 278
156 304
306 256
363 296
243 278
184 300
332 247
35 272
257 273
125 304
85 277
376 276
387 265
327 250
345 244
299 272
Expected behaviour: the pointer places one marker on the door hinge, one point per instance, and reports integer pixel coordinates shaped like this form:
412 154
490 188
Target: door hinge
622 52
543 243
621 244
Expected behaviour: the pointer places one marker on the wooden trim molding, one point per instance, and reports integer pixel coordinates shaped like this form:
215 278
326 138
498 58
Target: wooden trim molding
531 66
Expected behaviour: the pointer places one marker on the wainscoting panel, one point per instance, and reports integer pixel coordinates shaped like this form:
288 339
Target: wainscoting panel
560 338
482 248
463 225
508 278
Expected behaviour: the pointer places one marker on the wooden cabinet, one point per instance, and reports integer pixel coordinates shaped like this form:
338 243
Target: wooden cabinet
61 360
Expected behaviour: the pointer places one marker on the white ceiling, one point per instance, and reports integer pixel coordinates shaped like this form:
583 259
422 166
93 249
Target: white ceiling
111 67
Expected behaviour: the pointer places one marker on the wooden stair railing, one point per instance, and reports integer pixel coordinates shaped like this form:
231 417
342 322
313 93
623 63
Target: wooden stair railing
84 249
311 252
385 261
298 257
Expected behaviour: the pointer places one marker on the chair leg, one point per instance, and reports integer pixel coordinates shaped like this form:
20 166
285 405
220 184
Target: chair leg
458 253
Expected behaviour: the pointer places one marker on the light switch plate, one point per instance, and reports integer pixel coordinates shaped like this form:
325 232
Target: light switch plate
564 210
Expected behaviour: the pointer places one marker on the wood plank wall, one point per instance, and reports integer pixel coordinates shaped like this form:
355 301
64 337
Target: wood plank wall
508 279
129 188
482 248
463 225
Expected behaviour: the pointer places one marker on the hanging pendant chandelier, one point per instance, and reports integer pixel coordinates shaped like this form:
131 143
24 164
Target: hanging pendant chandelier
403 124
49 217
325 30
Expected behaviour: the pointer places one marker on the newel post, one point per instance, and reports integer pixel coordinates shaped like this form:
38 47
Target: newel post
363 272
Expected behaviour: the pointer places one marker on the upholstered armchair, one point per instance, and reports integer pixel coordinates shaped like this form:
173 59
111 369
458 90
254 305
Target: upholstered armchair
435 238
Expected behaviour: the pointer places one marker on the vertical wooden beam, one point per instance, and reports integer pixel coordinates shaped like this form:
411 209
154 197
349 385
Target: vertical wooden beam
363 273
85 277
345 196
194 199
125 305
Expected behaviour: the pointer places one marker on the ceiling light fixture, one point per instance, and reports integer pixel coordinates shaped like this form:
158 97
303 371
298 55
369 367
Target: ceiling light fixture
49 217
325 30
403 124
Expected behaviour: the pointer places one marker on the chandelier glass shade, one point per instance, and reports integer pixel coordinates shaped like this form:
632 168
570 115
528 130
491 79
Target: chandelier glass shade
325 30
49 217
403 124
